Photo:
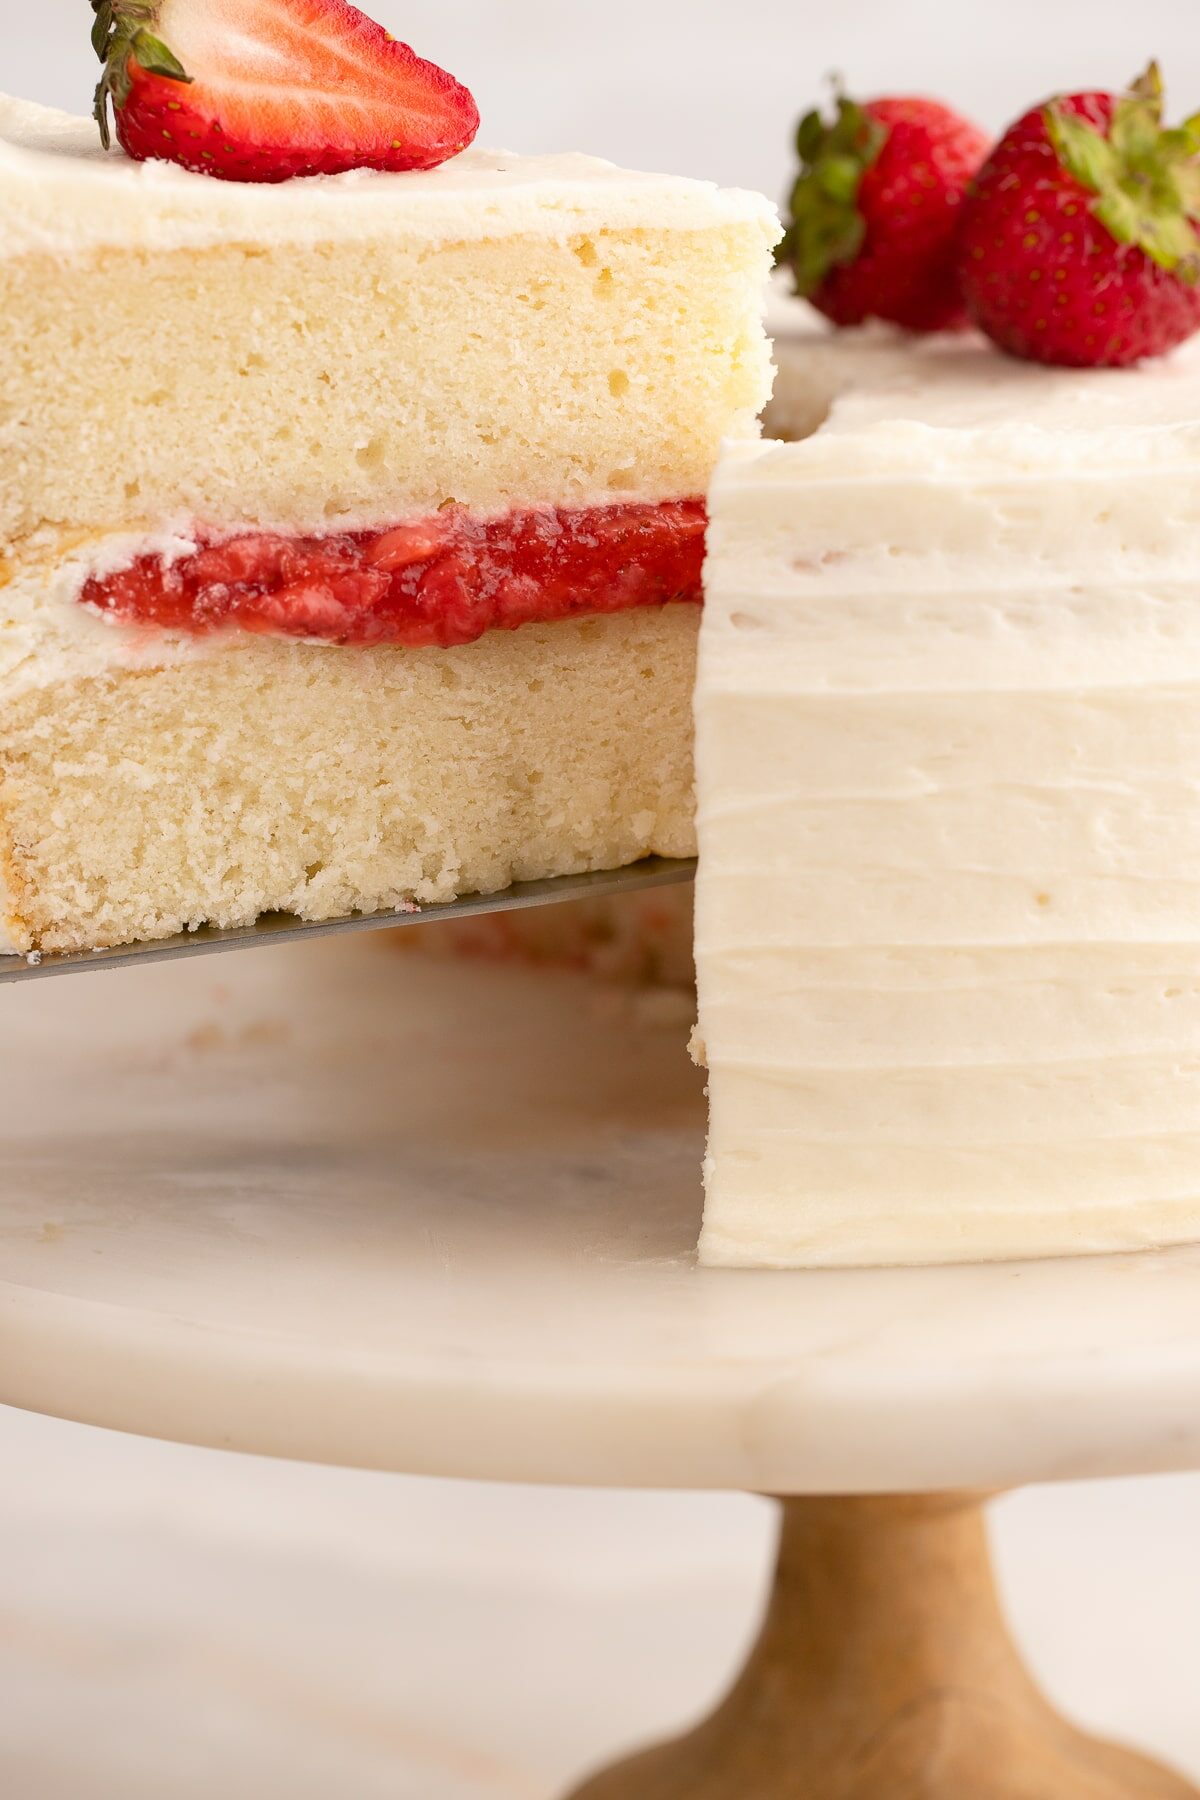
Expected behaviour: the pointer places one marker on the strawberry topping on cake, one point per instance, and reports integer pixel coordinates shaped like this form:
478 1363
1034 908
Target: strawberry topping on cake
1080 240
442 580
874 211
264 90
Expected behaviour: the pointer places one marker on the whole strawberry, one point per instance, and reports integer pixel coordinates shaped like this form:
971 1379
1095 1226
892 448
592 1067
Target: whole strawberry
875 209
1079 243
263 90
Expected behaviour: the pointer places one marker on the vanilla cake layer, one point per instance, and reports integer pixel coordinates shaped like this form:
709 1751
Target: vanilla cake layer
182 360
353 351
318 388
948 756
307 779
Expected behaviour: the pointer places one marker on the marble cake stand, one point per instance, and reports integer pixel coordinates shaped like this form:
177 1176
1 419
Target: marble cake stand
348 1204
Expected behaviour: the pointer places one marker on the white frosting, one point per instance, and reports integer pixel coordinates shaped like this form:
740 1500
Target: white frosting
846 381
47 637
948 712
61 193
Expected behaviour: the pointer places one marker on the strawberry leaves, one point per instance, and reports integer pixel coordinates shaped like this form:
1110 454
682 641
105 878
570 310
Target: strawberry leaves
874 211
825 227
121 31
1145 177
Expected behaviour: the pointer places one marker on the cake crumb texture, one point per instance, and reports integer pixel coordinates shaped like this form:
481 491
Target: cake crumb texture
301 778
314 387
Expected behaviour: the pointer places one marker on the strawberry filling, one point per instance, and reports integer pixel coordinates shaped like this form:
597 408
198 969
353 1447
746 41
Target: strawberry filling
440 580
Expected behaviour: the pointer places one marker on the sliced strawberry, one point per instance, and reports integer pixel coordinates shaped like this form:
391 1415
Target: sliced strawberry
264 90
406 545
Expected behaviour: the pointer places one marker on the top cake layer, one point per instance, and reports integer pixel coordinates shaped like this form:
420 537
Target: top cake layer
61 193
179 353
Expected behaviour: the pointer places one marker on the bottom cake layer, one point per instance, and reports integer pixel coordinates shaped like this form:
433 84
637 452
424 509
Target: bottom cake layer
320 781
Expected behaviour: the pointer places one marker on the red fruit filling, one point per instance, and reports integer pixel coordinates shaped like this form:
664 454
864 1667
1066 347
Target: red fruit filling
441 580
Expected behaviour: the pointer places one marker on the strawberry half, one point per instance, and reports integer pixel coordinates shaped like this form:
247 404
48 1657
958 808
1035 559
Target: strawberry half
264 90
874 211
1079 243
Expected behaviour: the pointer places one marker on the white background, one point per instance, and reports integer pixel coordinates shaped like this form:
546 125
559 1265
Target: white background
175 1624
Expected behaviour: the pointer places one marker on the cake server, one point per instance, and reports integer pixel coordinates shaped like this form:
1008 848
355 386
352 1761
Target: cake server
285 928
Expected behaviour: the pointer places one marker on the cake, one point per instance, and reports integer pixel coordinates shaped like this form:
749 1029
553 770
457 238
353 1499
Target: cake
948 739
350 528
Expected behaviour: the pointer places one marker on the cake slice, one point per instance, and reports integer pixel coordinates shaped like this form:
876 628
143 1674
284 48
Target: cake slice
948 757
350 528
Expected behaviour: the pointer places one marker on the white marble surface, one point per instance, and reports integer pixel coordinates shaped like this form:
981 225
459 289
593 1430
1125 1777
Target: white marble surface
340 1203
176 1624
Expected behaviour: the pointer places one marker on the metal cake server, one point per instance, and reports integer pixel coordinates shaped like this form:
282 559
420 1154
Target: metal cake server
284 928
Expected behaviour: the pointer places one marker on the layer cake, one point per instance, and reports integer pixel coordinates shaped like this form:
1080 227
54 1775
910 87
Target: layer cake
948 758
351 528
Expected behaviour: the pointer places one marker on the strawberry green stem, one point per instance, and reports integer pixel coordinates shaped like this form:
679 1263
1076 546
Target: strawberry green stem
825 227
1145 178
121 30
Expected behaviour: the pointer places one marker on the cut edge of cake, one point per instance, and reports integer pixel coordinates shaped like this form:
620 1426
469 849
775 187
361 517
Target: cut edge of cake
501 334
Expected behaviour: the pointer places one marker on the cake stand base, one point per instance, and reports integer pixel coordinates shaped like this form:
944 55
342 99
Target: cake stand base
885 1671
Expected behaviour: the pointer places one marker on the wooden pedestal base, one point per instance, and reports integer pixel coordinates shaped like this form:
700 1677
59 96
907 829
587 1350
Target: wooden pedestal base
885 1672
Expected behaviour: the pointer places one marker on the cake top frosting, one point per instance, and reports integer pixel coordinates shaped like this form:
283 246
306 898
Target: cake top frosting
846 382
61 193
